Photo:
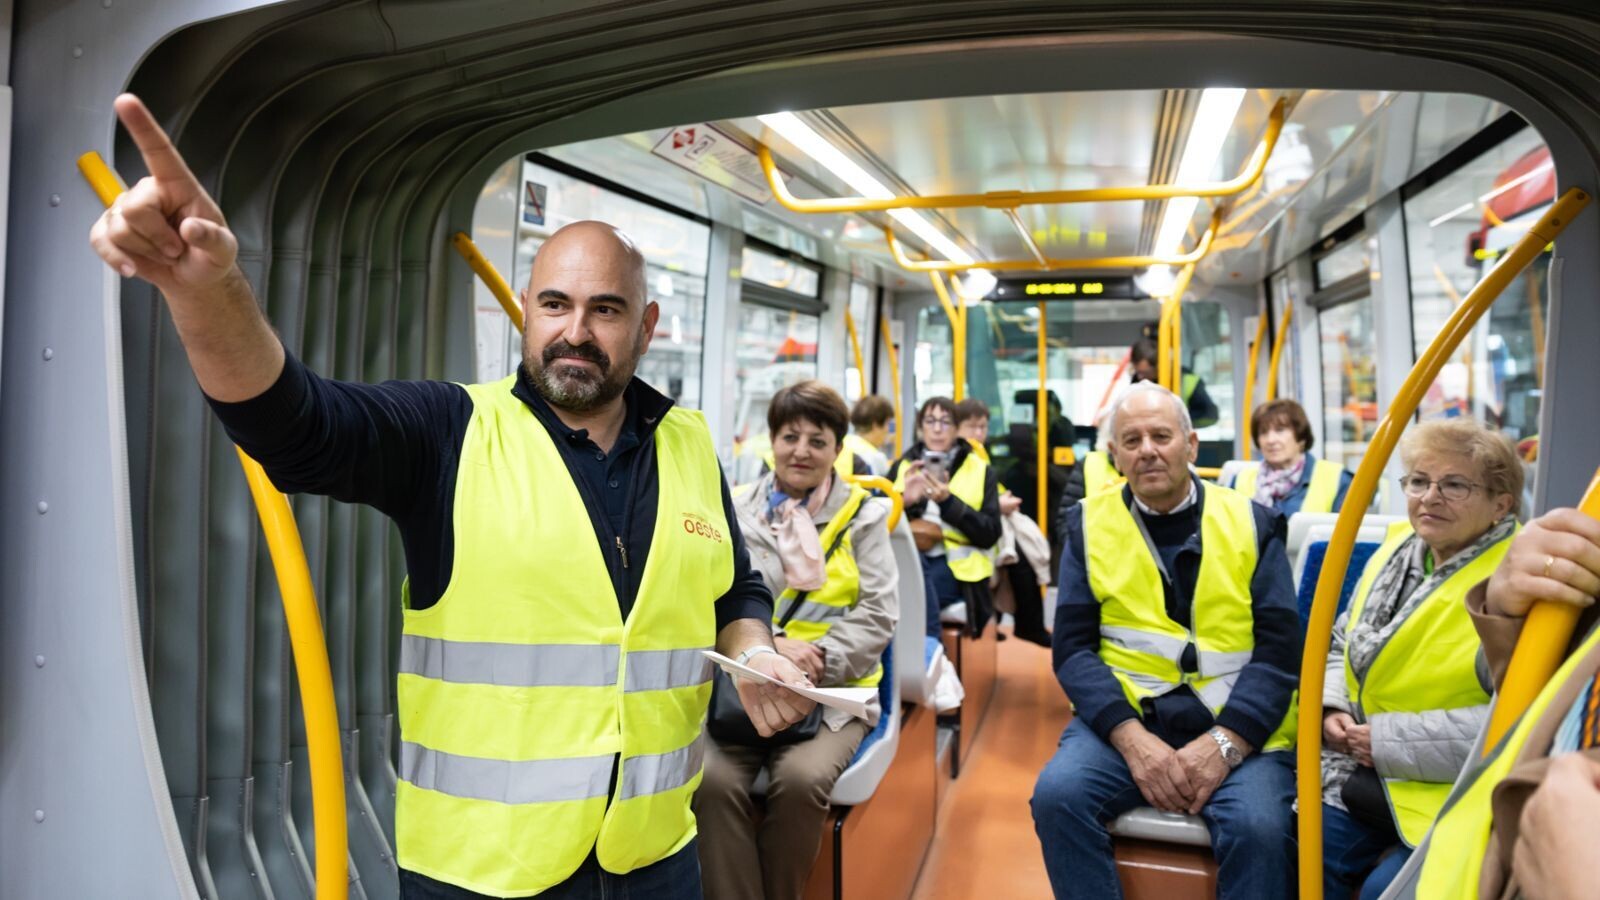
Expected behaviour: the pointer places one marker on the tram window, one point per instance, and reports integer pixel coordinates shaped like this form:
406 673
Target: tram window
776 348
781 272
1349 382
676 251
861 297
1455 230
1208 352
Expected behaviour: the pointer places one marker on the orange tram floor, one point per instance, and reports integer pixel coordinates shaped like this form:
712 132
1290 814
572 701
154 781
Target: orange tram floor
984 845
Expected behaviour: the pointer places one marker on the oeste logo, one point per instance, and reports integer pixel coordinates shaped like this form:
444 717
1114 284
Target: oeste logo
694 524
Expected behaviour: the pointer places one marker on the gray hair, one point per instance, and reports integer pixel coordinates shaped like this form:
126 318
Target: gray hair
1185 424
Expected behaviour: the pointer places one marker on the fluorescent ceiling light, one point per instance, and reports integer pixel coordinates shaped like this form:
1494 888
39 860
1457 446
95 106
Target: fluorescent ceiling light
860 180
1213 119
1157 281
979 282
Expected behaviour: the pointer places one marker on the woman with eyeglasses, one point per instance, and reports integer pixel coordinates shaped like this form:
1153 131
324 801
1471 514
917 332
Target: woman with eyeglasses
952 500
1405 695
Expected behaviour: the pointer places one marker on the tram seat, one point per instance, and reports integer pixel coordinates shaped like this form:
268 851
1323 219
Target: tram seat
913 670
1306 527
1312 547
1151 824
1230 471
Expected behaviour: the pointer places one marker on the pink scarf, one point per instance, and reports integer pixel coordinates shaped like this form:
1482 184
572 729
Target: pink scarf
1273 485
799 547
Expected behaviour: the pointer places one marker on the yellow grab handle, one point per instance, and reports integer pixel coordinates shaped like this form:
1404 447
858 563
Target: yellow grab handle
1041 425
1336 562
307 642
490 275
1277 351
855 347
894 381
1541 648
880 483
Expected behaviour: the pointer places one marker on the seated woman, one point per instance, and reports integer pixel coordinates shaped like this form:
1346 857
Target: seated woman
1290 478
1404 698
952 499
822 546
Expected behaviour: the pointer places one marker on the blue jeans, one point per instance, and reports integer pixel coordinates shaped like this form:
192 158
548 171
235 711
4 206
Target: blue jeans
1087 784
1348 849
675 878
940 588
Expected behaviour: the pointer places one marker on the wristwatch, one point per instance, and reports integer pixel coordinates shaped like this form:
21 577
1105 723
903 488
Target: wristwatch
744 658
1230 753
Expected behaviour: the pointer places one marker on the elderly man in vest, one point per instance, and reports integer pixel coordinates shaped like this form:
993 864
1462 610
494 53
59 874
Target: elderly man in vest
551 686
1177 641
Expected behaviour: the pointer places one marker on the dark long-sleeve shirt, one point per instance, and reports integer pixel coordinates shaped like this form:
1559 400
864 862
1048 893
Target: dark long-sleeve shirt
981 526
395 446
1261 695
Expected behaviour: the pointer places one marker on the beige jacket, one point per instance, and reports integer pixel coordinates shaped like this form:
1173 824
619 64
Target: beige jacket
856 641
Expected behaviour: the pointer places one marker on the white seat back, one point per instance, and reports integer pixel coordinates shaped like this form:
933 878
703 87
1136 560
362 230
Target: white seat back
1230 471
1314 527
910 668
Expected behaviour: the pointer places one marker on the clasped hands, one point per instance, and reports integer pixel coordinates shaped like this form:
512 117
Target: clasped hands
1177 781
1340 732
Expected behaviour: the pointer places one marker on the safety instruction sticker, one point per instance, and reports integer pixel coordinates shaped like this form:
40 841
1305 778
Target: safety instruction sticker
715 156
533 202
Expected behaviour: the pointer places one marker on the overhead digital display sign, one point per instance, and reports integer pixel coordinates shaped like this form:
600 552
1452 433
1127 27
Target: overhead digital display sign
1110 287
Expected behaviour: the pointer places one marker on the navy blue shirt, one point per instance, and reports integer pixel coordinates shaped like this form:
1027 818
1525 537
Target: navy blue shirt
395 446
1260 697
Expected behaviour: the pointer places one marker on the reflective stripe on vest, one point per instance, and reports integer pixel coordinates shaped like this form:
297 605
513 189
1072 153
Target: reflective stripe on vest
1141 644
1457 848
1429 663
824 606
967 563
1099 475
1320 493
522 688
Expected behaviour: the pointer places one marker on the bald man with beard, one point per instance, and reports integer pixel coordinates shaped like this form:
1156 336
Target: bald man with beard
551 685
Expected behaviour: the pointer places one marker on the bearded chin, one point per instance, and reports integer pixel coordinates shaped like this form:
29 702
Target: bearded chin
578 389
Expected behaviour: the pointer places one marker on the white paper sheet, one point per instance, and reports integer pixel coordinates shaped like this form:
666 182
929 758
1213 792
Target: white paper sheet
852 700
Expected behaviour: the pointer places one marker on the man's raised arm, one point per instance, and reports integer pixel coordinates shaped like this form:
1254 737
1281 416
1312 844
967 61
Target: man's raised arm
169 232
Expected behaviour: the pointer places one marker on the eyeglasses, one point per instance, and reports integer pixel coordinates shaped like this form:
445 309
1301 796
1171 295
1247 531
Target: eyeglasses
1453 489
937 424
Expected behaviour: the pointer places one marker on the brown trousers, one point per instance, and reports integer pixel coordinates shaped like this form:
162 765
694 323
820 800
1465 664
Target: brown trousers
740 860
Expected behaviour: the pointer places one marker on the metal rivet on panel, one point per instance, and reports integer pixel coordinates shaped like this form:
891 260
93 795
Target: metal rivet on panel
43 507
77 52
38 815
38 661
49 353
55 199
105 4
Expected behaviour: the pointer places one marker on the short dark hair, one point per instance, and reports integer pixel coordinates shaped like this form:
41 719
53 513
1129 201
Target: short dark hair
969 409
871 411
932 403
1143 350
812 401
1282 413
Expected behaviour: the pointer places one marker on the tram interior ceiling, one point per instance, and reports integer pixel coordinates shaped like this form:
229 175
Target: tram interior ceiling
151 704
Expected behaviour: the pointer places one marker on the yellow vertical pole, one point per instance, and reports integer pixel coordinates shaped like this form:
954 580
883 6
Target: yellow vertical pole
1336 562
1163 343
894 380
855 346
1042 426
307 642
958 342
490 275
1277 350
1175 330
1245 408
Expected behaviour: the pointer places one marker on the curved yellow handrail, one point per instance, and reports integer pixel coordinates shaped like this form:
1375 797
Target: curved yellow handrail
1041 425
1277 350
1175 340
880 483
1050 265
894 379
855 347
1247 176
957 314
1250 387
1337 560
306 639
490 275
1541 648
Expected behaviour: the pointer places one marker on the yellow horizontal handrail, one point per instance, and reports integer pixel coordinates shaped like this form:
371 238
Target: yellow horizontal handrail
1336 562
1247 176
307 642
490 275
1047 265
1541 648
1208 472
880 483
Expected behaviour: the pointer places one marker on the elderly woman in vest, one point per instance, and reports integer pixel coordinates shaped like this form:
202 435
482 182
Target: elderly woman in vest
1405 697
822 546
953 501
1290 478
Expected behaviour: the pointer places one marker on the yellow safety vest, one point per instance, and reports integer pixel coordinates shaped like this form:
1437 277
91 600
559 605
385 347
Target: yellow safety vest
1429 663
980 449
822 607
1099 475
1453 866
523 687
968 563
1320 493
1188 384
1141 644
858 445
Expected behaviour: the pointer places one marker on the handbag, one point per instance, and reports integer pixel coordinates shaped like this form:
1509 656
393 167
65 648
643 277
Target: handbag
726 720
926 534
